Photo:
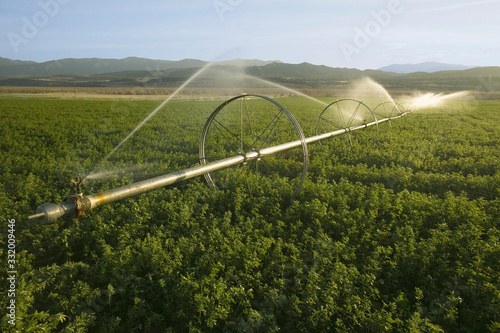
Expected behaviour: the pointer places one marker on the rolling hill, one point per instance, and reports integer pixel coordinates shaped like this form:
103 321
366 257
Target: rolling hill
92 66
429 67
141 72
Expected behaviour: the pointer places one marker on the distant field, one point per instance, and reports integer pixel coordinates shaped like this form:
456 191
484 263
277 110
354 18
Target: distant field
142 93
397 233
147 93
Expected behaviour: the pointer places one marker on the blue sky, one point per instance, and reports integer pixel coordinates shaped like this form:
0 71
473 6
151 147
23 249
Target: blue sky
356 34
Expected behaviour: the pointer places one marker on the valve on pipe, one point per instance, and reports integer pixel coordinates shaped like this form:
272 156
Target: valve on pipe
78 181
252 141
72 206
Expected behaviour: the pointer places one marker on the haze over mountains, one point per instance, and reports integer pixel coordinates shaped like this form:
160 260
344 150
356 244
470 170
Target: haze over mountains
92 66
141 72
428 67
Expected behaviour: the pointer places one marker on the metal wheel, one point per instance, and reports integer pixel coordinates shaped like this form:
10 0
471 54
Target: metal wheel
344 114
246 124
389 110
408 107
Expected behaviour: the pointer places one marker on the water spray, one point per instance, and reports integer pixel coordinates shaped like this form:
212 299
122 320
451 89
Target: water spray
248 146
422 100
286 88
155 111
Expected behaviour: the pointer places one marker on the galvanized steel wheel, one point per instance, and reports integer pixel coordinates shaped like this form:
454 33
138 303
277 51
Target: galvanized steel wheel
389 110
344 114
408 107
249 123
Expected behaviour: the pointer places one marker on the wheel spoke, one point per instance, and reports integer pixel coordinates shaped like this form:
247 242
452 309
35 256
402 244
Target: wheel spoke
249 120
226 129
335 125
341 115
353 116
275 121
349 112
275 130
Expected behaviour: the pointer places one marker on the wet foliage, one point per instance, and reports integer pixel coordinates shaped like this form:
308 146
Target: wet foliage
395 234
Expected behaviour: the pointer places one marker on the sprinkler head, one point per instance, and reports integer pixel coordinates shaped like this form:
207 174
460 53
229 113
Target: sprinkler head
77 181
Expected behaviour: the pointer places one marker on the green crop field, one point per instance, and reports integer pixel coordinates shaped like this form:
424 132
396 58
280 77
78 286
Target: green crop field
398 232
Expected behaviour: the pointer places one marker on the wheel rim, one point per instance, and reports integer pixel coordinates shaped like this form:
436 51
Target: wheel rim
343 114
249 123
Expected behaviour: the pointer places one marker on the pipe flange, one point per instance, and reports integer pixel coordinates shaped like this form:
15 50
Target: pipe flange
77 200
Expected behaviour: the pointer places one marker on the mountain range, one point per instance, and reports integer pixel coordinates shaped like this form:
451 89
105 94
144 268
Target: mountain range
93 66
141 72
428 67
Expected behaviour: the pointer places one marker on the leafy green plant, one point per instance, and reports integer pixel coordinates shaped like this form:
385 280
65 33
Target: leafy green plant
401 234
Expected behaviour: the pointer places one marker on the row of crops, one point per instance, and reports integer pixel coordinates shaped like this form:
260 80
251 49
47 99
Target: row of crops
395 233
